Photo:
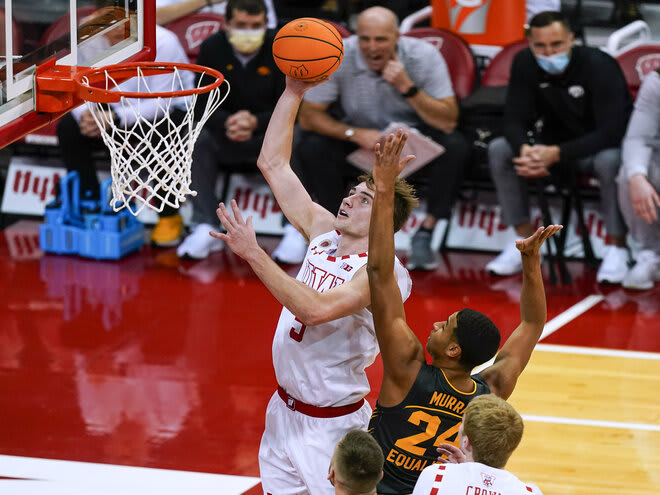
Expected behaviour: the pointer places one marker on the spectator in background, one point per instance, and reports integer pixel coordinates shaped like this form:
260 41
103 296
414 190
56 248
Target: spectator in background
582 97
356 466
533 7
491 431
384 78
171 10
639 184
234 133
79 135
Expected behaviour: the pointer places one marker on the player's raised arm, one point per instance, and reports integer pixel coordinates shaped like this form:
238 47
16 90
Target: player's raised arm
400 348
310 306
516 351
274 163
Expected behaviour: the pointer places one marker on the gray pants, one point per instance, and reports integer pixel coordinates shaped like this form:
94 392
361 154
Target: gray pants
646 235
512 192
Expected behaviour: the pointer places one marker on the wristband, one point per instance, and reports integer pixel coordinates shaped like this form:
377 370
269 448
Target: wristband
411 92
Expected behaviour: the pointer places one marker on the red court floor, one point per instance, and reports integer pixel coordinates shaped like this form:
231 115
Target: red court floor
155 362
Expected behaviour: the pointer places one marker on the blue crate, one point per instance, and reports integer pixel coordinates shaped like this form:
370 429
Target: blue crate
91 229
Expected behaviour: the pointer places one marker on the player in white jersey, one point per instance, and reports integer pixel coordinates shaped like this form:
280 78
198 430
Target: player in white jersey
490 432
325 337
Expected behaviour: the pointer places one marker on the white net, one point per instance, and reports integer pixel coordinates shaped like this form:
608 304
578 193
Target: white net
151 139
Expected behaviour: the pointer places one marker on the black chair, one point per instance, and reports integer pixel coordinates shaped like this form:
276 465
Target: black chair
568 187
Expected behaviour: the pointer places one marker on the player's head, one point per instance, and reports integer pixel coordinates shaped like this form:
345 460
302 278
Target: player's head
356 466
467 336
551 40
245 23
477 336
378 33
405 200
491 430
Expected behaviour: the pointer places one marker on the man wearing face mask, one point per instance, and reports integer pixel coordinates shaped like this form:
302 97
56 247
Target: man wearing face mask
232 137
581 96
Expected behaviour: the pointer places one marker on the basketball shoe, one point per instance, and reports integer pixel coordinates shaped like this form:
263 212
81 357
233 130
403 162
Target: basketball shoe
292 248
645 273
167 231
199 244
422 256
508 262
614 266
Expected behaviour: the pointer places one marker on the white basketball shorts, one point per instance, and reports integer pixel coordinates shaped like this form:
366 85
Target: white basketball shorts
296 449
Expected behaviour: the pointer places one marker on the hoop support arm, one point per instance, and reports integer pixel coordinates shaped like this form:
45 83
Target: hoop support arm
55 89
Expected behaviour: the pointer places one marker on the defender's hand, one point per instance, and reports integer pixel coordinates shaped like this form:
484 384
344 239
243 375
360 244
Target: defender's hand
387 166
532 245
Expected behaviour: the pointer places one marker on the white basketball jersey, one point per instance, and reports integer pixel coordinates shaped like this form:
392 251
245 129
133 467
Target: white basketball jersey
324 365
470 478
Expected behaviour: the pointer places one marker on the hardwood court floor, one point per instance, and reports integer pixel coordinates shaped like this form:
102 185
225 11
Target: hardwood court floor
107 368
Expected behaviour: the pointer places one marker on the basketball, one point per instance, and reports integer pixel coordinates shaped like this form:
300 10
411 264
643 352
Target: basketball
308 48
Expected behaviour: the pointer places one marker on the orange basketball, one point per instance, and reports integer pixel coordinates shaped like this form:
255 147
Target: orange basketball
308 49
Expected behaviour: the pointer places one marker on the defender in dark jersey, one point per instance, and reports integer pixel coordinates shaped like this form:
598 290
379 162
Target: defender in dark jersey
420 405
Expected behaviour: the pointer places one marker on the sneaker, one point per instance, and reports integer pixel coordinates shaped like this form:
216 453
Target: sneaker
167 231
422 256
614 266
292 248
508 262
645 273
199 244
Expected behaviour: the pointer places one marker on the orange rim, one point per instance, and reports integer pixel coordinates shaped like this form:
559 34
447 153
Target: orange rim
88 81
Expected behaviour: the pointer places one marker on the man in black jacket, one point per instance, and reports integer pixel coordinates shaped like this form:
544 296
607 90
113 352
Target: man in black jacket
580 95
233 135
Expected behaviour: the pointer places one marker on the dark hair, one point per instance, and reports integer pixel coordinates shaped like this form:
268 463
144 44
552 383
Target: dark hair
359 459
548 17
252 7
478 337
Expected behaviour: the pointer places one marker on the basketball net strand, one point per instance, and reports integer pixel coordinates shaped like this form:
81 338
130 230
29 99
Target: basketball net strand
151 159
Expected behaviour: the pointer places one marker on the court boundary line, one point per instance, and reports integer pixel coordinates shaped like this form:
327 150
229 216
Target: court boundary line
567 316
590 422
597 351
570 314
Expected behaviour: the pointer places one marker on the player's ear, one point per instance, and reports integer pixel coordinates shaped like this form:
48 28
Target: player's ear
454 350
467 445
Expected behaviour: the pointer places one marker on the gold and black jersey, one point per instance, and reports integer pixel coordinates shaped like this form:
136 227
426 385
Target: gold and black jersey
409 433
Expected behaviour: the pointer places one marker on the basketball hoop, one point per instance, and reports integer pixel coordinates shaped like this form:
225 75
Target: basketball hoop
151 158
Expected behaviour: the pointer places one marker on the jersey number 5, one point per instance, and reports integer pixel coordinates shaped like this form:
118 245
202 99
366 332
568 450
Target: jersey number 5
296 333
411 443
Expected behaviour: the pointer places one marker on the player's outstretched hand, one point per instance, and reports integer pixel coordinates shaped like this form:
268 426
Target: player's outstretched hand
453 453
532 245
387 166
240 235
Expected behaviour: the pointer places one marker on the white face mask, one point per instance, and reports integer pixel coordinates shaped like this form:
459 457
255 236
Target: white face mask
247 40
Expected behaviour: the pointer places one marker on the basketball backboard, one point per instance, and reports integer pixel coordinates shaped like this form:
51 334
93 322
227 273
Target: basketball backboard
84 33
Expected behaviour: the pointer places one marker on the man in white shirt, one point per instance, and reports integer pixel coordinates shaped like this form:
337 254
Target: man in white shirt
325 336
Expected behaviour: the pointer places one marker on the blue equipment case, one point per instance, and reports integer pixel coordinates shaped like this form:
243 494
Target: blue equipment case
91 229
